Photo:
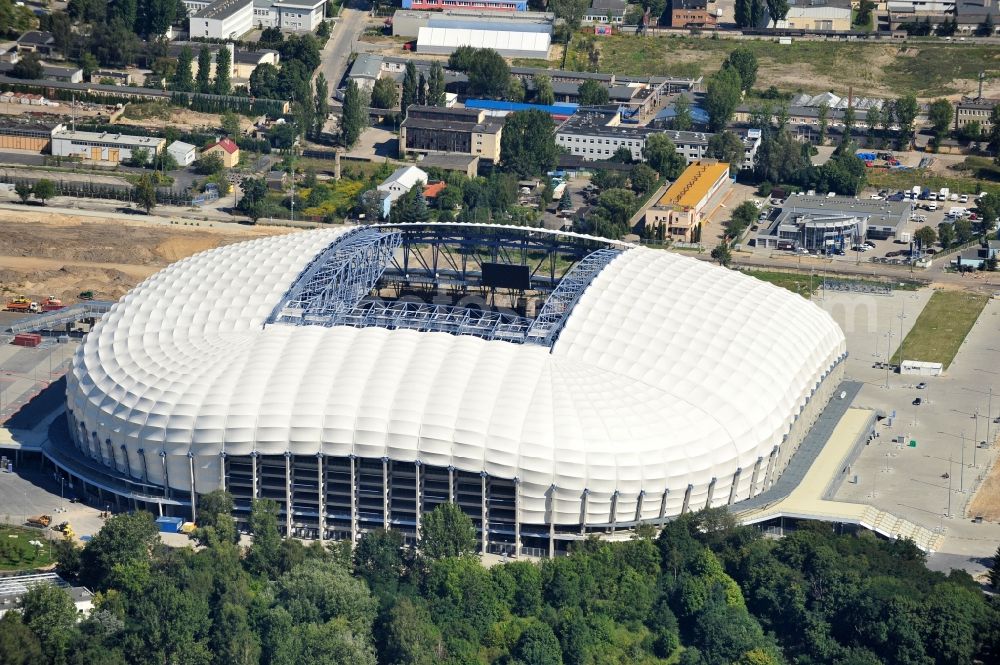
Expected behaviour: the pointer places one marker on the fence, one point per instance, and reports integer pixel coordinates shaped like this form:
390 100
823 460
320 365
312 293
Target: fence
123 192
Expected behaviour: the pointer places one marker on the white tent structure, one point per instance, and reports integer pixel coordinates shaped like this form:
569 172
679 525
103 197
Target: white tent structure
444 41
673 385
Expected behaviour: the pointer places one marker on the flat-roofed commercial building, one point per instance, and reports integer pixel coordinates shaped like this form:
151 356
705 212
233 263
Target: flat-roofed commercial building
681 209
225 19
407 23
432 129
596 134
832 222
16 133
103 146
489 5
975 109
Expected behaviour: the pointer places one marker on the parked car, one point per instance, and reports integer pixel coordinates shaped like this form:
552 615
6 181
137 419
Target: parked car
918 401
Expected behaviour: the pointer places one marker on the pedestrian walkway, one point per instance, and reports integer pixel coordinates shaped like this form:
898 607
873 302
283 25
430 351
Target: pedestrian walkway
806 500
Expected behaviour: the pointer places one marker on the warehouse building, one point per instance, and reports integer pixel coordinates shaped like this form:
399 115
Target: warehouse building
681 209
597 133
444 41
632 393
486 5
17 133
430 129
103 146
184 154
223 19
407 23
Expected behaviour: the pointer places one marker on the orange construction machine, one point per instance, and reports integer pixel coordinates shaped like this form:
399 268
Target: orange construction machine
21 304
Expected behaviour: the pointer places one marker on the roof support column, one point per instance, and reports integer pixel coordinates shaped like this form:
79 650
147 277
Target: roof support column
194 494
418 499
638 505
288 494
756 475
769 476
166 475
732 488
711 491
222 470
583 511
145 467
485 528
517 517
111 454
321 495
451 484
354 501
253 475
687 499
385 494
128 463
614 510
663 503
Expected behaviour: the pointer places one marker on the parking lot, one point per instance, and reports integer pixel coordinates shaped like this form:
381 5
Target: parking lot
26 371
929 457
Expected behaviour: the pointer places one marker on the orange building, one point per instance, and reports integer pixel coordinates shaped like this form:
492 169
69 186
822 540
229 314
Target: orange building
682 208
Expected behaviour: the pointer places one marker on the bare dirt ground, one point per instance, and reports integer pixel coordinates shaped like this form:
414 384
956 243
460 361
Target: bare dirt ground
986 502
156 115
44 254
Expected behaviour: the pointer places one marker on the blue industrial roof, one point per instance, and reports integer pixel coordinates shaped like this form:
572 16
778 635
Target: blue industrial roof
560 108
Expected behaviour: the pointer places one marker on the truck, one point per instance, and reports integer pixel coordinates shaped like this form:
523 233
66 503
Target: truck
943 194
40 520
51 304
21 304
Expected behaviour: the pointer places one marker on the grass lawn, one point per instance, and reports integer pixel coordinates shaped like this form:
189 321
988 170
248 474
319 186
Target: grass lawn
17 552
928 69
942 326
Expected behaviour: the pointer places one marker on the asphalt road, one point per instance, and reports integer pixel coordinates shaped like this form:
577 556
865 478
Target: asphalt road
338 48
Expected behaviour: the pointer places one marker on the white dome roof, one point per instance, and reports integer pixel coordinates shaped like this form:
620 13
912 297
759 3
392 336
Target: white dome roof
669 372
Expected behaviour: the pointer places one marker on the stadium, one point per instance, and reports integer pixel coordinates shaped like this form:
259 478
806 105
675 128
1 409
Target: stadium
553 385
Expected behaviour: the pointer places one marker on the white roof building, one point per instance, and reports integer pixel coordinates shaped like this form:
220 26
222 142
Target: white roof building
183 153
402 180
443 41
671 379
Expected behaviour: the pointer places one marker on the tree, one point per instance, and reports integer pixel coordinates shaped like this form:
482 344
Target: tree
744 62
320 591
778 9
23 191
963 231
51 615
643 178
411 636
661 154
409 96
446 531
989 209
987 27
144 193
435 85
565 201
543 89
254 203
210 164
385 94
140 157
182 75
994 134
572 11
722 97
528 145
379 560
742 13
727 147
622 155
123 545
322 103
44 189
538 645
264 554
682 114
742 217
421 90
28 67
223 72
489 74
864 13
592 93
202 78
906 109
722 254
18 644
823 118
926 236
946 234
940 114
873 118
849 120
355 115
230 123
264 81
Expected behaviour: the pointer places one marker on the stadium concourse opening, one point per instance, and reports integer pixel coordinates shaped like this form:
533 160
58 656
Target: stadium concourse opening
482 281
552 385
